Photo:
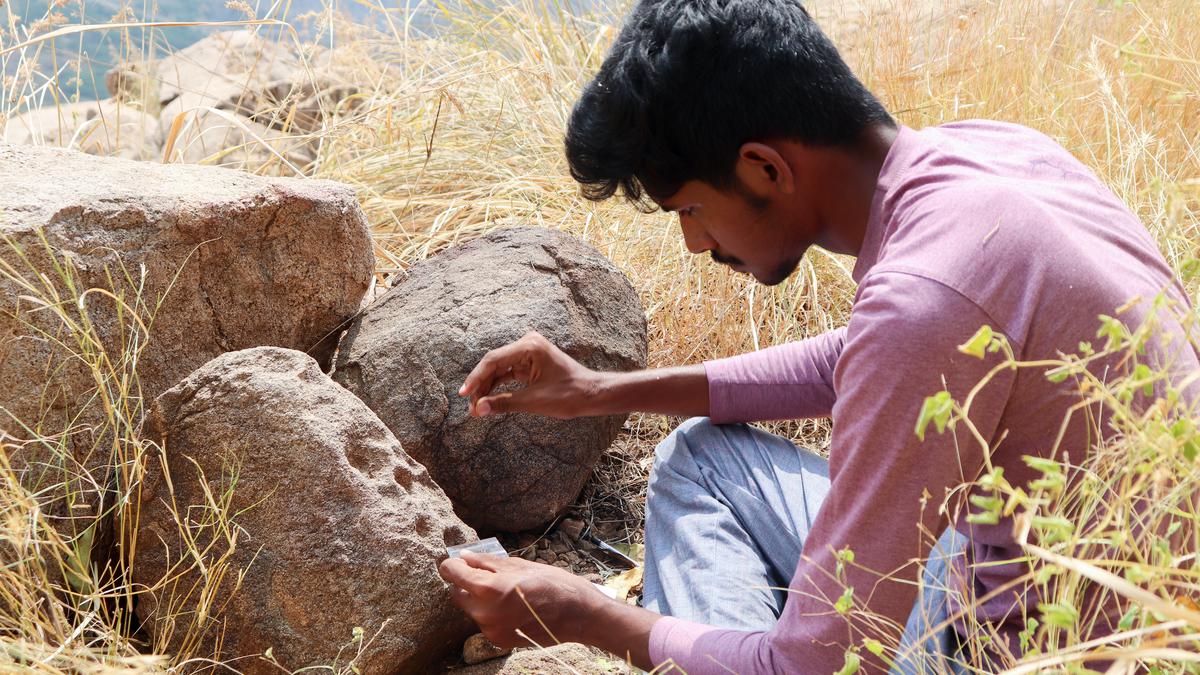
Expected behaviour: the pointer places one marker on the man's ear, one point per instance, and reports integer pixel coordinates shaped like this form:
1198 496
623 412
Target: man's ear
763 170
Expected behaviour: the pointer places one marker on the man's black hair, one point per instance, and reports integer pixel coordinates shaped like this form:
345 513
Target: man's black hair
687 82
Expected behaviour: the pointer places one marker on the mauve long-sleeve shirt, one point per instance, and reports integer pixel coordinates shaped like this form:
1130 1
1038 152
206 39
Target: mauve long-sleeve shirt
972 223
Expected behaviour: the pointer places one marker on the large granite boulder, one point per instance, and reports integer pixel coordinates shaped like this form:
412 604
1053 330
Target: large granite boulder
235 141
407 355
208 70
222 260
107 128
338 532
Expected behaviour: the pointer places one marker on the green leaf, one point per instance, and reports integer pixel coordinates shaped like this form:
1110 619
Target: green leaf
844 557
1183 427
987 502
851 665
1060 614
978 344
845 603
1112 330
1190 450
358 634
1053 528
1127 620
1143 372
79 561
936 409
874 646
993 479
985 518
1059 375
1189 268
1045 573
1026 635
1047 466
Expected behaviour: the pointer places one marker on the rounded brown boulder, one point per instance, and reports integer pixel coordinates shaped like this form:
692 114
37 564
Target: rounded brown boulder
407 355
282 526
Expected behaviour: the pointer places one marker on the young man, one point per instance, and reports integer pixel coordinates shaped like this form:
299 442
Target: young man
740 116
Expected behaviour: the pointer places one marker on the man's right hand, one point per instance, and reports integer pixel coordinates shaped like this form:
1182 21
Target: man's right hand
555 384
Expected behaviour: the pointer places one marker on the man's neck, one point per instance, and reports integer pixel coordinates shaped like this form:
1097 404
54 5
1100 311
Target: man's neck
851 189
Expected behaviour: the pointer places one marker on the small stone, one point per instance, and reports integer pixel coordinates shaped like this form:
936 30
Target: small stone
594 578
559 547
478 649
529 553
548 556
543 544
561 563
572 557
572 528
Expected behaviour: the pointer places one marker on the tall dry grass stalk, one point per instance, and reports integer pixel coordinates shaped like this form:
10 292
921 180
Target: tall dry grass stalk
448 138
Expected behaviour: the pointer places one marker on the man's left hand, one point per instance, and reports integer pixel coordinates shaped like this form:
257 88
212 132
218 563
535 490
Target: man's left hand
511 597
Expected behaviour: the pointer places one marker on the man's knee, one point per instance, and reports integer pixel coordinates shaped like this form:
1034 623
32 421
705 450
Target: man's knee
688 447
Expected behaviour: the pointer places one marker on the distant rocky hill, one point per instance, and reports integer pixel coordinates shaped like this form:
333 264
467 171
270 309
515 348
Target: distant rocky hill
97 51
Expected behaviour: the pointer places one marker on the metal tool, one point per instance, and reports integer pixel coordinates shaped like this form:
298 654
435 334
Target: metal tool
608 548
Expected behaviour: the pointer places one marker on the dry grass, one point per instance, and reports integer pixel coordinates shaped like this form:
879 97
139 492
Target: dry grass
447 139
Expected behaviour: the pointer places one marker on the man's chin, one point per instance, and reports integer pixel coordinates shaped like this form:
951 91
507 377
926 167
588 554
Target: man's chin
779 276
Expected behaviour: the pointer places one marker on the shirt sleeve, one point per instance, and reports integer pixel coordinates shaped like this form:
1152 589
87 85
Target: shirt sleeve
900 346
790 381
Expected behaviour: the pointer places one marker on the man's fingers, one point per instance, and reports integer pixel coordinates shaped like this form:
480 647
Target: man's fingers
522 400
496 363
461 598
483 561
458 572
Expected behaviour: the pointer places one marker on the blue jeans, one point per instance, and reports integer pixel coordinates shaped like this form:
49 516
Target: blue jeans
727 513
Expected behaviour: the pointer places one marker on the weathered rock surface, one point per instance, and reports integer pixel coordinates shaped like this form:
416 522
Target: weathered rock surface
337 527
478 649
202 72
234 141
107 128
234 99
565 658
238 99
408 354
247 261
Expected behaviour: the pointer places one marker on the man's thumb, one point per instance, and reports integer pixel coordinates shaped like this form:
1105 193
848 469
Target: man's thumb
508 402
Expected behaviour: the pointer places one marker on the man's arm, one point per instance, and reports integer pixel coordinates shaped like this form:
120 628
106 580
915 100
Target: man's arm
786 382
559 386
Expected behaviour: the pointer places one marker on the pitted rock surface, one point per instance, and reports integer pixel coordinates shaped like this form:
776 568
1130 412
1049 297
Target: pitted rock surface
236 260
337 527
408 353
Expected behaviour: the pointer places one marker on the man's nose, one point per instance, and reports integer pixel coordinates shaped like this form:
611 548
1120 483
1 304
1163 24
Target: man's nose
694 237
